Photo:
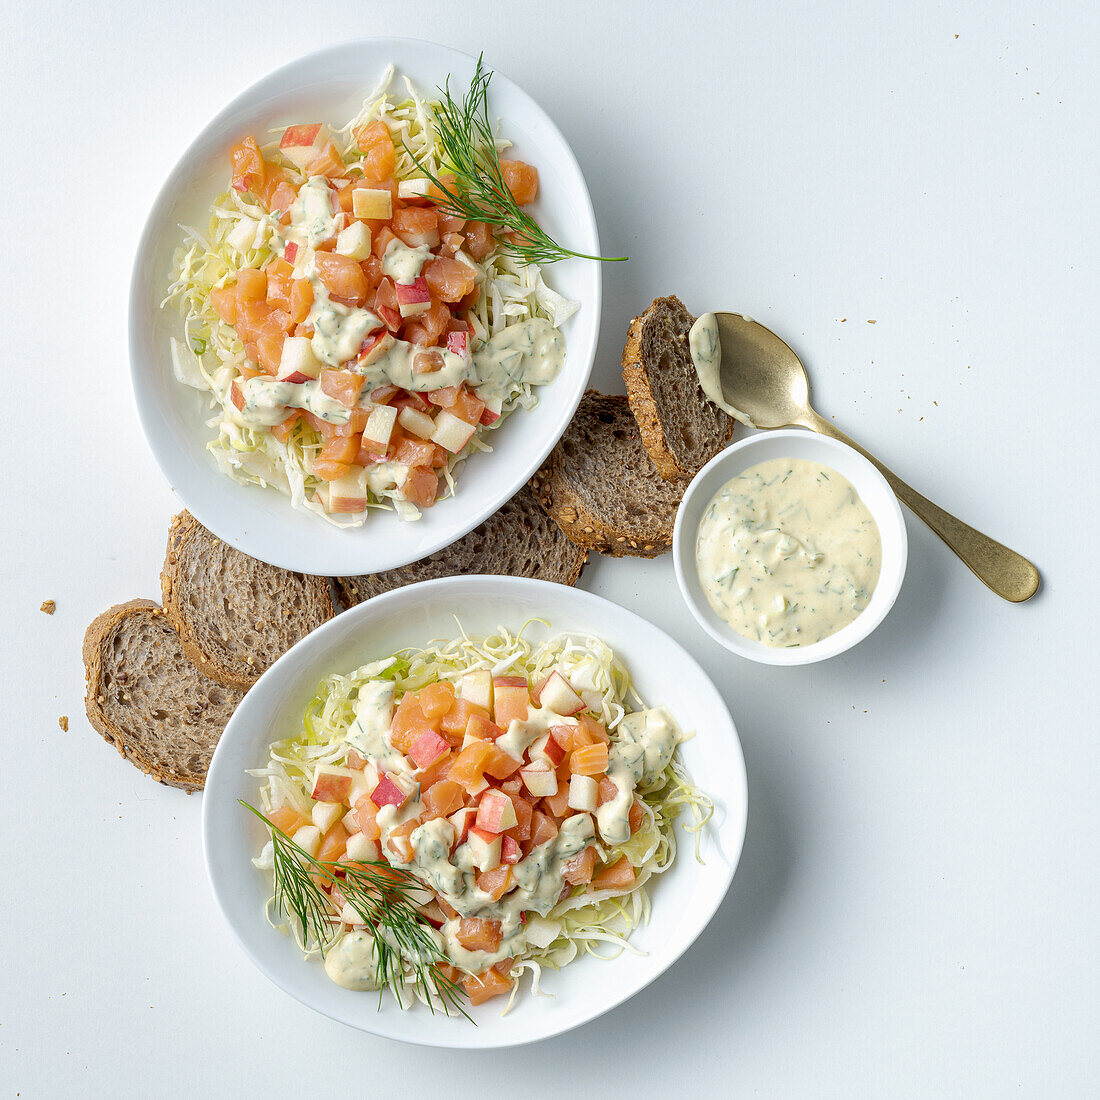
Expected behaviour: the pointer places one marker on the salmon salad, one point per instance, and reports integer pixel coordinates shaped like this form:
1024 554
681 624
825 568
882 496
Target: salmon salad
359 334
449 819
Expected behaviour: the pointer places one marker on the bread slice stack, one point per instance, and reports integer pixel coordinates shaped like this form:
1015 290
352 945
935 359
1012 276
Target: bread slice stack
163 682
614 481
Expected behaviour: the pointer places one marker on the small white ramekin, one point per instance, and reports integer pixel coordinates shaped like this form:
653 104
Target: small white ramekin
869 484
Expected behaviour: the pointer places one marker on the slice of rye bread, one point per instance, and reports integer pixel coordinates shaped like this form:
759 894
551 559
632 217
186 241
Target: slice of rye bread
601 488
148 700
518 540
235 615
682 430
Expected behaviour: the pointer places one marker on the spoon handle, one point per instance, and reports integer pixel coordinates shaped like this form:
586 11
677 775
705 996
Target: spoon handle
1009 574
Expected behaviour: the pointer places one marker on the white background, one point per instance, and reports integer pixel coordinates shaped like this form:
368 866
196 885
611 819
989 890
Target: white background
916 909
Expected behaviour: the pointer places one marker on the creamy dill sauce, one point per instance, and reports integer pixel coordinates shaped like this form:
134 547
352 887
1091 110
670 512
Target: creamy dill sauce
351 963
402 263
646 741
642 747
706 355
787 552
312 219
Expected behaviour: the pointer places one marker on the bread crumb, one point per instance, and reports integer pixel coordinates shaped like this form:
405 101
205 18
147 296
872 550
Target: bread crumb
872 322
48 606
63 722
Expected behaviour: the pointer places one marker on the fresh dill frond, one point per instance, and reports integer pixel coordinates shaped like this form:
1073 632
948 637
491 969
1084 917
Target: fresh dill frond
382 896
478 192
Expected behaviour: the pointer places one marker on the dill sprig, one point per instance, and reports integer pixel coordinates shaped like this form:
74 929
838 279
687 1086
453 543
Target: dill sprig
479 192
382 896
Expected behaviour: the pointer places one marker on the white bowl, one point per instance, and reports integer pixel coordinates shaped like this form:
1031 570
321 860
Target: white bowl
331 85
684 898
871 487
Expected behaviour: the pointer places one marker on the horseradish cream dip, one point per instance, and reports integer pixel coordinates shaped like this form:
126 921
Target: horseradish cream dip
787 553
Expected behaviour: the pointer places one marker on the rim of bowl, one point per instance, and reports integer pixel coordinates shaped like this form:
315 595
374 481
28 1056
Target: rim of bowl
199 505
887 511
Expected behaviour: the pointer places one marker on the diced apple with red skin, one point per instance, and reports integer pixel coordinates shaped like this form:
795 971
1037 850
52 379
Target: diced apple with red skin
509 850
458 343
477 688
300 144
298 363
414 189
361 848
540 779
374 347
391 317
413 298
418 423
372 204
331 784
583 793
491 413
347 494
463 821
379 427
556 694
451 433
495 812
485 848
546 750
388 793
354 241
290 252
510 699
326 814
427 749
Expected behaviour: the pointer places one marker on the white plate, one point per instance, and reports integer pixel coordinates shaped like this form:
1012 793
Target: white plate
684 898
331 85
873 490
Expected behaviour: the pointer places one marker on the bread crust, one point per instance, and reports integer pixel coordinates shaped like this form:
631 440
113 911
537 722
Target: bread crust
98 632
643 403
185 527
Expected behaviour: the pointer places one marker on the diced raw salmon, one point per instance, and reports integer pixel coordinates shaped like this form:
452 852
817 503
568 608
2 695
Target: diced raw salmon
444 797
497 882
619 876
492 983
521 179
479 239
223 301
334 845
449 280
478 934
374 141
579 869
421 486
436 699
342 276
589 759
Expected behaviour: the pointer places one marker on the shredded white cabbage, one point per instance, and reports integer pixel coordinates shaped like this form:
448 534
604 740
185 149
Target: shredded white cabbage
598 923
239 235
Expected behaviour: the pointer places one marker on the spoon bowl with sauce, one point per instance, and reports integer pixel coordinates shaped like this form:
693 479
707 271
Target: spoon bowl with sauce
753 375
789 548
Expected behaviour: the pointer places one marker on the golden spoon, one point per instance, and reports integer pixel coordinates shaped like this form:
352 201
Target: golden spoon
763 379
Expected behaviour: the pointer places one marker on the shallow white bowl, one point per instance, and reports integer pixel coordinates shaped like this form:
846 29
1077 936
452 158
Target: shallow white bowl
684 898
868 483
331 85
